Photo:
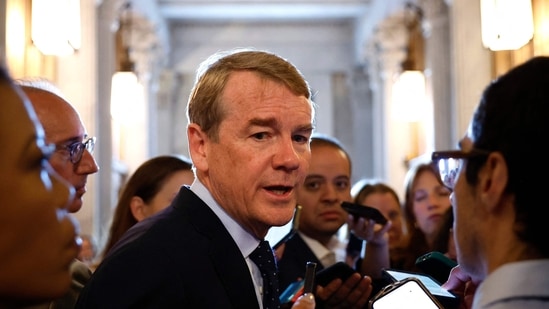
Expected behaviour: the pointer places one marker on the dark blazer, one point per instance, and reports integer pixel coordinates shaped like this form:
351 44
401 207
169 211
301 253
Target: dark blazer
186 259
292 264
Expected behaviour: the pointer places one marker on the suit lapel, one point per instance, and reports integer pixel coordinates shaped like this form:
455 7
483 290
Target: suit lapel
225 255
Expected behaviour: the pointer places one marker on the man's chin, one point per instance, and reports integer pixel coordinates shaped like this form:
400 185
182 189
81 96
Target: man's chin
75 205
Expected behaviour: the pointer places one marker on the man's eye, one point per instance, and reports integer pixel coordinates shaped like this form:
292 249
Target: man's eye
312 185
342 184
300 139
260 135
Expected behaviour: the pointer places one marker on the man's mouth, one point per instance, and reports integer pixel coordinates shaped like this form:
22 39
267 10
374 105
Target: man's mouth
279 190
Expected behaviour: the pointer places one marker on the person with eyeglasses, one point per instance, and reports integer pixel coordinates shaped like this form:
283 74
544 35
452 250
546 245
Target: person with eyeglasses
498 179
72 158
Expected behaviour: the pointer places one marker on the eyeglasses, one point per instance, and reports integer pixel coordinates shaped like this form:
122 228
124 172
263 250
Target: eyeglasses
76 150
449 163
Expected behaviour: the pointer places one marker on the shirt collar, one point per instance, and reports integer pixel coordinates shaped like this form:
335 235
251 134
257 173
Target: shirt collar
245 241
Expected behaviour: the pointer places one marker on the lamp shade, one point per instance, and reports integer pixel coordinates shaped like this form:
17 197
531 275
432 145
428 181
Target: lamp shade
506 24
409 96
56 26
127 98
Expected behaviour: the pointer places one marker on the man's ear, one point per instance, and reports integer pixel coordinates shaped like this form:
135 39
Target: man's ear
198 142
493 178
137 207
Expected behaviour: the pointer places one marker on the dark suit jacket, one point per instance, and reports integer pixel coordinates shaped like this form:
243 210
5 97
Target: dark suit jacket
186 259
292 264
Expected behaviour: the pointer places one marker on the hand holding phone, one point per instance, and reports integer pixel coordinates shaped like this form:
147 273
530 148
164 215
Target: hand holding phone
407 293
358 210
300 287
339 270
436 264
445 297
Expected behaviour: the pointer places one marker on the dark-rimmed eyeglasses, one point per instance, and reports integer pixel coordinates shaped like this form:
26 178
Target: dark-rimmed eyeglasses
449 163
76 150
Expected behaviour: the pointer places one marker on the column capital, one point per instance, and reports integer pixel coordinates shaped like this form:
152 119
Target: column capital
391 42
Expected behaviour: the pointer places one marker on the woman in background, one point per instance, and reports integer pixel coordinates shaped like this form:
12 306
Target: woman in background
426 203
149 190
381 196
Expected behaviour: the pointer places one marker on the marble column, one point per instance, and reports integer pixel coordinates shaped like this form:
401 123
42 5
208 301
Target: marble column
471 62
385 56
438 63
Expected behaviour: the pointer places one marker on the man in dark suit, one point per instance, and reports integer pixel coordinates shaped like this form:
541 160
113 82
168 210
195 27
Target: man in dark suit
250 120
327 184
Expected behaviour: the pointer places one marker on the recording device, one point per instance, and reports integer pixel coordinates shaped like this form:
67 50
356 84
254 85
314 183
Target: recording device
448 299
338 270
293 226
436 265
408 293
300 287
310 271
358 210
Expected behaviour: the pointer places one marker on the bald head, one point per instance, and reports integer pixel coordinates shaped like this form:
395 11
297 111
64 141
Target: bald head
64 128
55 113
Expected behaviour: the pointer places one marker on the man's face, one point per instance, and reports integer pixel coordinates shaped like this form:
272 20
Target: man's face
467 219
63 127
37 236
262 154
327 184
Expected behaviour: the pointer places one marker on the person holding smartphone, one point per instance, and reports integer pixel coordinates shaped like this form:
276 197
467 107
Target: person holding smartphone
498 177
326 186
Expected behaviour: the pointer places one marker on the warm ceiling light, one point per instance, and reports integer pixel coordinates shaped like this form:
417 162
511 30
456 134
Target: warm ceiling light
127 97
127 93
506 24
408 95
56 26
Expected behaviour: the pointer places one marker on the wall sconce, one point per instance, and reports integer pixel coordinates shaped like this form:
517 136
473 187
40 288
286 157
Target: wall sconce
127 98
56 26
127 93
409 96
408 92
506 24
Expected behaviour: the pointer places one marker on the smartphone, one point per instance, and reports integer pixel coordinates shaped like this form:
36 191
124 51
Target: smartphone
310 274
300 287
408 293
338 270
274 232
436 265
358 210
448 299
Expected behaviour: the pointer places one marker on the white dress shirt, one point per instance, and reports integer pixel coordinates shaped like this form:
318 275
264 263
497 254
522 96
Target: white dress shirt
515 286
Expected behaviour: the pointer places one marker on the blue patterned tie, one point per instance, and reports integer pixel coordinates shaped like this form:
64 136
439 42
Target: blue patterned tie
263 257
